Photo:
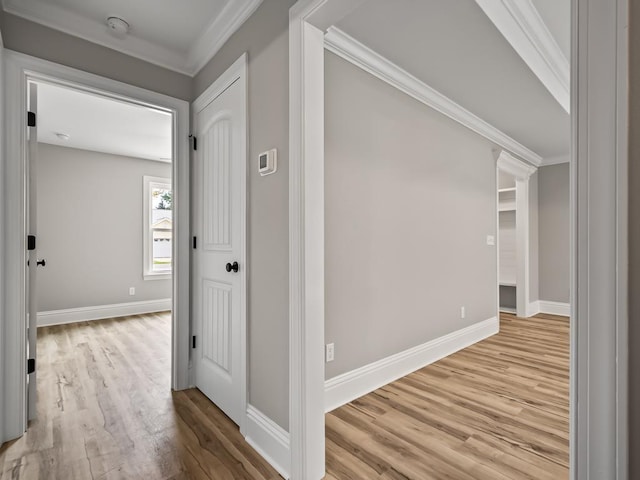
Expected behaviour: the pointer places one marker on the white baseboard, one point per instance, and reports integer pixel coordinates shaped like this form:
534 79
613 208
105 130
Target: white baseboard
269 440
347 387
555 308
533 308
82 314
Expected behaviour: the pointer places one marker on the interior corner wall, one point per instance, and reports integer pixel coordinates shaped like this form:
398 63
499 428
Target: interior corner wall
31 38
534 247
634 240
90 224
265 36
410 196
554 231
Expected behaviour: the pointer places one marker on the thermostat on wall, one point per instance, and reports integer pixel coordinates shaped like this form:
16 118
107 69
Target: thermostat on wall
268 162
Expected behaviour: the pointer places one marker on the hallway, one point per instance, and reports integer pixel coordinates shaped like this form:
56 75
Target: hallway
106 411
498 410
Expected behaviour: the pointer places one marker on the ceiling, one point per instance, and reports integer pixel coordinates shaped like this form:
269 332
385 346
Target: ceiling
180 35
453 47
102 124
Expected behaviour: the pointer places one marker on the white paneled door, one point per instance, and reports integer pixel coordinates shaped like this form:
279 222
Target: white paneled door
33 262
219 347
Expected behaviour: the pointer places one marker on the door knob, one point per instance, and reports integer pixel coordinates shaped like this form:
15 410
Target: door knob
232 266
42 262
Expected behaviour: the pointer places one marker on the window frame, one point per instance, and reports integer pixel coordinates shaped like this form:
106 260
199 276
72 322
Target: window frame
148 183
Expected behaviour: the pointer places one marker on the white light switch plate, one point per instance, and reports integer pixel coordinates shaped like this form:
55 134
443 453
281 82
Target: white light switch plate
491 240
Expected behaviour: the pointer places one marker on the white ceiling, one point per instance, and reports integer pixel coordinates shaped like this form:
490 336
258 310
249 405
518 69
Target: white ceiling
180 35
102 124
453 47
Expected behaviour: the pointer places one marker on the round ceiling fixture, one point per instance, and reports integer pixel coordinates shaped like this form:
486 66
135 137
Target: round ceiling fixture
118 26
63 136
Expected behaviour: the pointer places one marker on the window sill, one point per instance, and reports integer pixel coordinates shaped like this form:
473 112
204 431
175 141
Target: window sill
157 276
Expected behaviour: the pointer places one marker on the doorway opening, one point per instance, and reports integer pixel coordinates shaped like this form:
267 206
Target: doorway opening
24 74
311 24
101 211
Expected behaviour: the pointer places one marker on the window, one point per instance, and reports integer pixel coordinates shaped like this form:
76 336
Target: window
158 227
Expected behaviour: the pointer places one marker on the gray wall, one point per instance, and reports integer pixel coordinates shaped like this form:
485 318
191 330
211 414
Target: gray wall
410 197
90 228
37 40
265 37
634 242
554 230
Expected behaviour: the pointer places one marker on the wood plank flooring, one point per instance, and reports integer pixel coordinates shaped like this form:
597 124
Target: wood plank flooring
497 410
106 411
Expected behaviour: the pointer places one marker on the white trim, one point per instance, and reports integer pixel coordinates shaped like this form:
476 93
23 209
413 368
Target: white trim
533 308
238 71
521 25
522 172
622 241
94 31
269 439
514 166
554 308
190 62
148 182
235 13
345 46
99 312
523 247
557 160
306 241
507 310
347 387
599 239
19 69
3 435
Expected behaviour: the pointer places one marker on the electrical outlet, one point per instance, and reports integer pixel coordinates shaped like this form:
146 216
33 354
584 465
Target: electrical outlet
330 352
491 240
462 312
132 290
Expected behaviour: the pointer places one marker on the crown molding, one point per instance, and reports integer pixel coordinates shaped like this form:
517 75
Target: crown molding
345 46
514 166
217 32
556 160
57 18
522 26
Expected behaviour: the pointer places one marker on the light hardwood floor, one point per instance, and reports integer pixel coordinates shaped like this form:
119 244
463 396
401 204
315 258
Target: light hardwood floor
106 411
496 410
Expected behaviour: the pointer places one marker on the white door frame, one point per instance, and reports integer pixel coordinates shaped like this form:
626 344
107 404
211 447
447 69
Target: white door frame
2 244
598 246
522 172
19 69
236 72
